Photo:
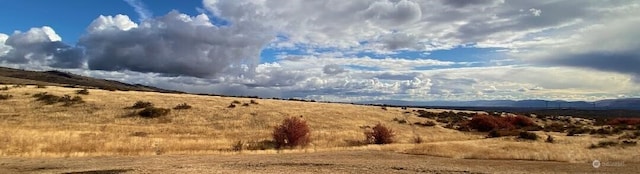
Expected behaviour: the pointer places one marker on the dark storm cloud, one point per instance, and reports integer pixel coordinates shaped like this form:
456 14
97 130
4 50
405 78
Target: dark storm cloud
174 44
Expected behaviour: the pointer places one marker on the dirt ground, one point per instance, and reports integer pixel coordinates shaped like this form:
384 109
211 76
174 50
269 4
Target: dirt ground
318 162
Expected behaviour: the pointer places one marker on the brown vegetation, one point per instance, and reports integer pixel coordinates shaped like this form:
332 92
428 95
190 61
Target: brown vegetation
380 134
293 132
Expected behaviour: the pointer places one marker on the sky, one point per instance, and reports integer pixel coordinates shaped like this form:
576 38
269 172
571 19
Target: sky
334 50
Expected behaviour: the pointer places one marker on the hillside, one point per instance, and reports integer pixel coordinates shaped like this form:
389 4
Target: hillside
101 126
59 78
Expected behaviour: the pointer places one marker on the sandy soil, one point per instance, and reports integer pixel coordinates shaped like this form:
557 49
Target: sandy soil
369 161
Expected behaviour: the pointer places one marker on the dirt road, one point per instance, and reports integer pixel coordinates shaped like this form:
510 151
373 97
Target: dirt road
318 162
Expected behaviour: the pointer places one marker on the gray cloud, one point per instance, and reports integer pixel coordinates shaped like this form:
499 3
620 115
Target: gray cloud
41 46
400 41
611 47
333 69
174 44
464 3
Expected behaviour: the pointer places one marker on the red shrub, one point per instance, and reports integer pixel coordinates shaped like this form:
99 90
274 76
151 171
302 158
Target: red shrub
380 134
484 123
624 121
519 121
292 132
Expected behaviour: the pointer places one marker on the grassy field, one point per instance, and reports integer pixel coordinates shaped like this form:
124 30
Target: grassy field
101 126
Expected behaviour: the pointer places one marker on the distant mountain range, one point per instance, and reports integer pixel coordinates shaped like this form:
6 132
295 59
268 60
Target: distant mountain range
58 78
626 103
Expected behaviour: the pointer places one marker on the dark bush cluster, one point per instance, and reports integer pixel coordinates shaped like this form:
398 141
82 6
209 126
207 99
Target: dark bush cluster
379 134
140 105
53 99
291 133
555 127
426 123
5 96
253 102
607 130
446 117
182 106
630 135
578 130
400 120
153 112
528 135
41 86
4 88
610 143
503 133
82 92
604 144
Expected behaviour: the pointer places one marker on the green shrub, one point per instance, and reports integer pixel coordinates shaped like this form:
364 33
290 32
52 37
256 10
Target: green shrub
153 112
231 105
140 105
379 134
182 106
528 135
236 102
292 132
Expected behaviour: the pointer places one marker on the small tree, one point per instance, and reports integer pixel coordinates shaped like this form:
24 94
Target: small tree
291 133
379 134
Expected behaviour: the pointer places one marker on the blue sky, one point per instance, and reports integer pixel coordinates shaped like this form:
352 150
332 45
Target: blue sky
348 51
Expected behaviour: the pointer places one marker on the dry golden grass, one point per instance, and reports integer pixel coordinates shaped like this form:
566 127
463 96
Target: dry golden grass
102 127
565 149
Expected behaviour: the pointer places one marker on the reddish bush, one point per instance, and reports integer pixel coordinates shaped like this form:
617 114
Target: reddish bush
379 134
291 133
624 121
519 121
485 123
